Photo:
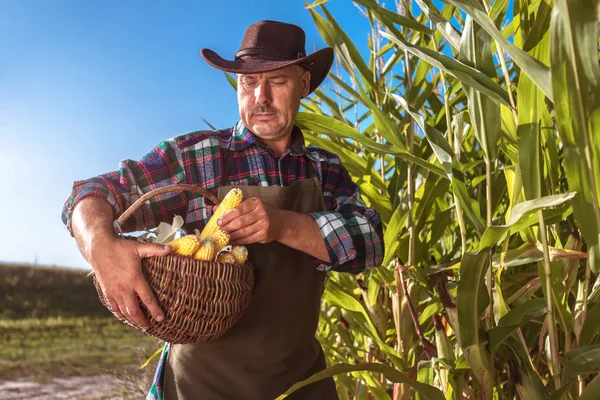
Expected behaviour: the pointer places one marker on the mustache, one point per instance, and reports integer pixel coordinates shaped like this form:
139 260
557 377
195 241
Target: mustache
262 109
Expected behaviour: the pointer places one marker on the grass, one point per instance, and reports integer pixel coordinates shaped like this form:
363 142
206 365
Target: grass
71 346
53 325
39 292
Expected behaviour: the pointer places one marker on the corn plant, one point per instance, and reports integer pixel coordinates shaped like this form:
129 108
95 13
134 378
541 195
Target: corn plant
474 129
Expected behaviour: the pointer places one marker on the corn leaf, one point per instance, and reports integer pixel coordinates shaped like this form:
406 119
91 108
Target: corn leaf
392 16
526 379
576 82
476 51
582 361
533 252
232 81
446 157
515 318
590 331
440 22
466 74
315 4
538 72
330 126
428 392
336 296
344 48
471 300
493 233
591 390
533 116
390 236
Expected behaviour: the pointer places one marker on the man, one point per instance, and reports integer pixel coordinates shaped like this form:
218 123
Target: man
302 216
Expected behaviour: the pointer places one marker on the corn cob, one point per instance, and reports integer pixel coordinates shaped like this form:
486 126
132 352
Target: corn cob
185 245
226 258
231 200
240 253
220 237
207 250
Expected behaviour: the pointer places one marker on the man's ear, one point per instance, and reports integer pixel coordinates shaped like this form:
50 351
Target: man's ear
305 84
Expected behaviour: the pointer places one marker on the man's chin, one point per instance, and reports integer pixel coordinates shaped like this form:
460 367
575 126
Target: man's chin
265 132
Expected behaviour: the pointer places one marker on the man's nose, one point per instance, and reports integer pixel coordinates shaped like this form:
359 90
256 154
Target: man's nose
262 94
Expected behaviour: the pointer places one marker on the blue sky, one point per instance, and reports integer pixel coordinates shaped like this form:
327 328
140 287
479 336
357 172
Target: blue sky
84 84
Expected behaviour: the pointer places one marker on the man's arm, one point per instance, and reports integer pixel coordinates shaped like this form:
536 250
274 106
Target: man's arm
300 232
347 237
253 221
89 212
162 166
116 262
352 231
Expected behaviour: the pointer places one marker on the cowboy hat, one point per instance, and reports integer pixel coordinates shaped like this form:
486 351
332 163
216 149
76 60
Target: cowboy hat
272 45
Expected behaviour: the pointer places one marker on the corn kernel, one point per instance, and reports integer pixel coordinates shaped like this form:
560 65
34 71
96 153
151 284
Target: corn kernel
221 238
231 200
186 245
206 251
240 253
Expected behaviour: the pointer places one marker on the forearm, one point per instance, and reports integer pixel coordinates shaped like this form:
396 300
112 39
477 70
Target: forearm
92 223
162 166
300 232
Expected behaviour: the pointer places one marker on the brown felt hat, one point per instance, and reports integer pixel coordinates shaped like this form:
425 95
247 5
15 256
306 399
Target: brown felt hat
272 45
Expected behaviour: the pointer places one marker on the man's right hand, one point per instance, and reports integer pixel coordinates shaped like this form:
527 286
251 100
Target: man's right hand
117 265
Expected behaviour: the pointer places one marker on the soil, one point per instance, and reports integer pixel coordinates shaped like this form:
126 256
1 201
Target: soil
94 387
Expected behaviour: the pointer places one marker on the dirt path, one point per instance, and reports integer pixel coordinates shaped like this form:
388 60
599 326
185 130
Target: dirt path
94 387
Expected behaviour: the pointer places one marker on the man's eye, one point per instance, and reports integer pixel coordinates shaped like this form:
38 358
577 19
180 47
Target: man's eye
278 82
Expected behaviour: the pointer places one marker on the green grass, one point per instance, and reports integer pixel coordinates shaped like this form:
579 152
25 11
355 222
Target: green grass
52 324
40 292
71 346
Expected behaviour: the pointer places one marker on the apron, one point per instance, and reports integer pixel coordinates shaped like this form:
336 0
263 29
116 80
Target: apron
273 345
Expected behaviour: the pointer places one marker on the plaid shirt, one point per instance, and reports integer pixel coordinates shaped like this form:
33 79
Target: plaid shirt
351 231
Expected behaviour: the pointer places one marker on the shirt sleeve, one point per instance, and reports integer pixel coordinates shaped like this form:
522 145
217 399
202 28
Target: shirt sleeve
162 166
352 232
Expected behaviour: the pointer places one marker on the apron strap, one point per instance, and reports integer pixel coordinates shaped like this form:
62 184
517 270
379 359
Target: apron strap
226 167
312 170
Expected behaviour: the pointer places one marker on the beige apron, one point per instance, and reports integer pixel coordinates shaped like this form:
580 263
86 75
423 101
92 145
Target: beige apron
273 345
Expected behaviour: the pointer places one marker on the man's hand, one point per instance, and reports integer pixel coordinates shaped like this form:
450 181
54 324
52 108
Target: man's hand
117 265
252 221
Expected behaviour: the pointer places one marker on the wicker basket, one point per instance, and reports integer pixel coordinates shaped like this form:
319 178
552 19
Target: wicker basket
201 300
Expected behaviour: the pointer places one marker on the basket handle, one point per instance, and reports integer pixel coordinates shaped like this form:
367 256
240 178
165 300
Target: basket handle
165 189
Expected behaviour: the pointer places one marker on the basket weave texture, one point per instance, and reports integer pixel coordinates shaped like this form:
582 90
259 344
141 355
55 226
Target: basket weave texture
201 300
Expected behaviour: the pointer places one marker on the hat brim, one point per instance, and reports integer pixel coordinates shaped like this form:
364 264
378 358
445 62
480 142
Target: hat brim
318 63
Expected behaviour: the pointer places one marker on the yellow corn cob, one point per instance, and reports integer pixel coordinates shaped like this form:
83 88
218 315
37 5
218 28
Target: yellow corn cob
226 258
231 200
240 253
221 238
185 245
207 250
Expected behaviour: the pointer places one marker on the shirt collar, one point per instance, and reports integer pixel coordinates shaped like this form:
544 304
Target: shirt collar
242 138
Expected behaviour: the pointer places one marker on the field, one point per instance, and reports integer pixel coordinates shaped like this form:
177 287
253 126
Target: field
52 325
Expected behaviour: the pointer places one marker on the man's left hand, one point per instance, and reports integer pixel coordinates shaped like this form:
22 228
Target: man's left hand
252 221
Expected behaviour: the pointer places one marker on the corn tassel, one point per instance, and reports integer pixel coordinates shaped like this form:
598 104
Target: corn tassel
206 251
240 253
185 246
231 200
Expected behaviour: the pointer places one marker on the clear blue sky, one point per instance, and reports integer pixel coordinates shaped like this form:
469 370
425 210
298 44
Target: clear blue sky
84 84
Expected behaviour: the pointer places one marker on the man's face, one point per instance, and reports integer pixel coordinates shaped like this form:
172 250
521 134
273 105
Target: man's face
269 102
